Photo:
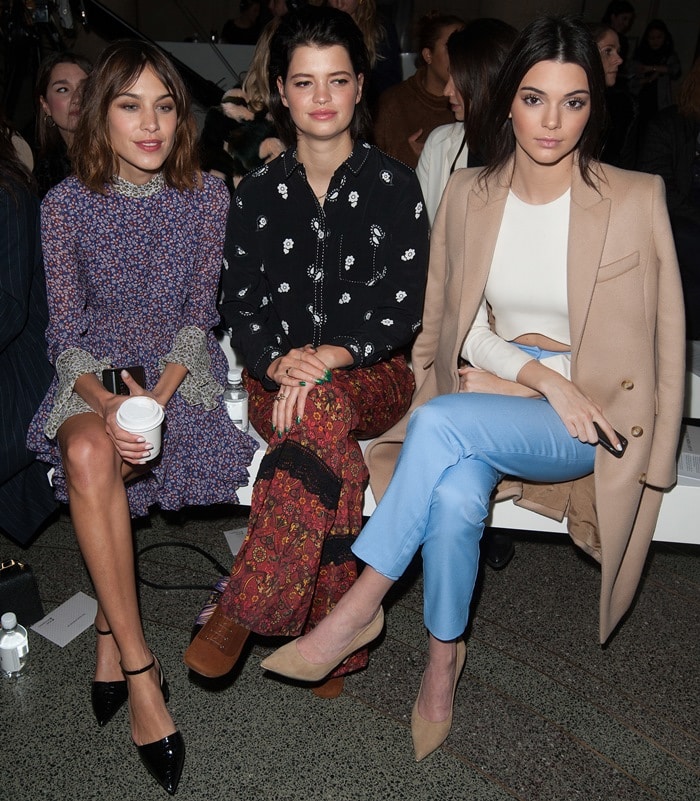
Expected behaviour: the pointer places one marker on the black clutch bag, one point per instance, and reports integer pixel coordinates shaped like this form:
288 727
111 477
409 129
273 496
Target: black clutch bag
19 592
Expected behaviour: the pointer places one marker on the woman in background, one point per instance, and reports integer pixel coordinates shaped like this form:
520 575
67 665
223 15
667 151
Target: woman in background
476 54
575 260
408 112
58 89
132 244
382 44
656 65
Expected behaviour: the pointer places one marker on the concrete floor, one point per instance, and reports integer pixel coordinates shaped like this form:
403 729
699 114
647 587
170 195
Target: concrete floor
542 712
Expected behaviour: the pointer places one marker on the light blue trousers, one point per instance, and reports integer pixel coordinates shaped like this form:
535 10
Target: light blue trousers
457 448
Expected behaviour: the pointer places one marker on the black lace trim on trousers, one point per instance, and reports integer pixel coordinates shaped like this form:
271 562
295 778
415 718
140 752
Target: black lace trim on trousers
304 465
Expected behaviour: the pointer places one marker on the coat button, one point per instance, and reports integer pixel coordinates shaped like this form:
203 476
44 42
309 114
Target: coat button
643 478
637 431
627 384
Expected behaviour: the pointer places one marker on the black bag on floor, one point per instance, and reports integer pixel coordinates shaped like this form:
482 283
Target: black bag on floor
19 592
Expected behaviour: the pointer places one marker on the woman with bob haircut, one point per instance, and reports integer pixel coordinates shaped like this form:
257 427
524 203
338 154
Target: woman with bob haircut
132 246
574 261
324 273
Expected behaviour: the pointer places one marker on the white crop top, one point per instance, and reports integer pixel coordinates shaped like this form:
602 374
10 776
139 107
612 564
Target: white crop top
526 287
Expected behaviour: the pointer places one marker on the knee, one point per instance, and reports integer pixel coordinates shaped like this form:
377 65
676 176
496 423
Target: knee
89 459
328 404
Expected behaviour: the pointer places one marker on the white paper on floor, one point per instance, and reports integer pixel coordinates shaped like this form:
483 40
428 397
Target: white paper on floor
68 620
234 538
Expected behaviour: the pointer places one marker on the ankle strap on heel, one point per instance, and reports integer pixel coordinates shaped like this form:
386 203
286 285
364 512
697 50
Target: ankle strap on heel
140 670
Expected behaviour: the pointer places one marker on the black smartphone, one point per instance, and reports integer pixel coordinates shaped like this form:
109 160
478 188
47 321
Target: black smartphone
605 442
113 381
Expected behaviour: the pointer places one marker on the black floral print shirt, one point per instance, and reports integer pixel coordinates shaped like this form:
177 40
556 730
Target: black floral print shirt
351 272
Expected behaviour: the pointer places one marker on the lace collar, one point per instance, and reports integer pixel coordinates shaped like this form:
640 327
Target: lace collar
138 191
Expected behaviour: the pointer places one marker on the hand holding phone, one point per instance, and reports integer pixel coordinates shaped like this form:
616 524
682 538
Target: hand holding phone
112 380
605 442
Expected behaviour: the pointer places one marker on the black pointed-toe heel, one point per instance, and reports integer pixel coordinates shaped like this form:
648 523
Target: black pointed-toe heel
108 697
164 759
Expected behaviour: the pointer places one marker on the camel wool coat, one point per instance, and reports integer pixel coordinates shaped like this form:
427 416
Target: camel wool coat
627 351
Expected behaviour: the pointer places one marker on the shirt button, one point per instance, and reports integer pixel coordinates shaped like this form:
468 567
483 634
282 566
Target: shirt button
627 384
637 431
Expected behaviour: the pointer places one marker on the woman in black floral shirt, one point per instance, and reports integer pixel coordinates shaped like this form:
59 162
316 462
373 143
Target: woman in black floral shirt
324 272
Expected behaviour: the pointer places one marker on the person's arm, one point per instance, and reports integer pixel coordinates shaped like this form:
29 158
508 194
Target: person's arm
659 155
17 250
187 366
243 288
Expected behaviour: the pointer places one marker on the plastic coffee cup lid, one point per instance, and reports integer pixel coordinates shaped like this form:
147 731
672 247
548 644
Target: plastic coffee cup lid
139 413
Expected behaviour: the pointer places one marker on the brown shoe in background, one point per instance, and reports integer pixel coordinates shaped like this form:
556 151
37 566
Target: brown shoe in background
216 648
330 688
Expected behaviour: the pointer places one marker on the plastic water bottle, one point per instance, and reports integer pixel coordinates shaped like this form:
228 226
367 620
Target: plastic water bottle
14 646
236 398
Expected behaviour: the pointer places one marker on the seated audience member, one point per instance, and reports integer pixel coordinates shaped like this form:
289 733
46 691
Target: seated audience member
58 90
656 65
132 248
26 497
408 112
619 16
620 128
671 149
322 287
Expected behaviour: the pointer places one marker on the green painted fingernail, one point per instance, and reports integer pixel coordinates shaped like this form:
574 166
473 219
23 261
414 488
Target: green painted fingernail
279 434
302 383
273 428
286 430
298 420
328 374
320 380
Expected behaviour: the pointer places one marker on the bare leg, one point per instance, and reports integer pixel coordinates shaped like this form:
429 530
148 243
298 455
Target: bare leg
352 613
100 513
435 698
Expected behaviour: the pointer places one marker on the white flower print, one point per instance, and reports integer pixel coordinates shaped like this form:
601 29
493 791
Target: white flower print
287 245
408 255
239 201
240 251
332 196
243 292
254 327
400 295
418 209
349 261
416 326
368 315
265 300
386 176
375 235
261 222
387 321
285 326
353 197
319 319
225 264
314 273
262 170
369 349
282 189
366 145
344 298
283 287
275 353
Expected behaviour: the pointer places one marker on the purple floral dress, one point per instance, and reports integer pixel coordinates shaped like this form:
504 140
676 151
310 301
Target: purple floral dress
133 281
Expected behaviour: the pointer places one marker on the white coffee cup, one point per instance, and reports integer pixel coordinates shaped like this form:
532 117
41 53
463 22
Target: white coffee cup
142 415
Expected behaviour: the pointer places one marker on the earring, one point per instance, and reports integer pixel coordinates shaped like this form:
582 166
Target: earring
50 121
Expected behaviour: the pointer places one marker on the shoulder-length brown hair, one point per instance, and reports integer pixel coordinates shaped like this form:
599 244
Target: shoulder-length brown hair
118 68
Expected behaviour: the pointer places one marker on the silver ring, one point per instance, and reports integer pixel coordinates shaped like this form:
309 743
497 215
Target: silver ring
280 397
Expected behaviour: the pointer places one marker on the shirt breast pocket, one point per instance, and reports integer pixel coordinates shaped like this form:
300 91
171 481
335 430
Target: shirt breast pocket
619 267
362 262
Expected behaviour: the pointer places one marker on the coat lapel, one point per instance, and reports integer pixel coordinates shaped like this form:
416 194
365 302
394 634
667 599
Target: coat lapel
588 227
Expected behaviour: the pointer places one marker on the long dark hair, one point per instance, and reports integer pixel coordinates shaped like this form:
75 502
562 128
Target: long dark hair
563 39
477 53
13 172
47 136
315 27
117 69
645 54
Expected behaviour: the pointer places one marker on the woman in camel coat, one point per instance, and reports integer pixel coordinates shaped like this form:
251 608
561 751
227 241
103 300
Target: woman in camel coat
576 261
